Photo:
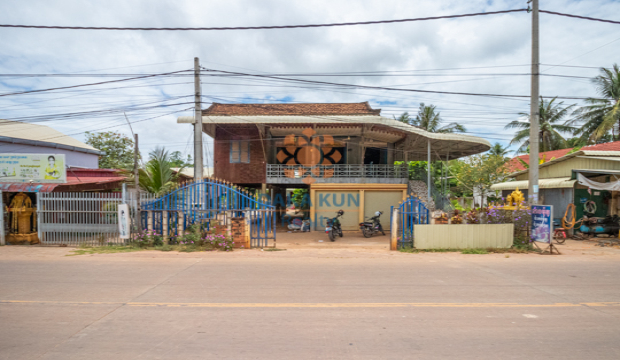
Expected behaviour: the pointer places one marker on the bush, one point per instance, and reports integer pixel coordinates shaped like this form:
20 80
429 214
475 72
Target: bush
147 238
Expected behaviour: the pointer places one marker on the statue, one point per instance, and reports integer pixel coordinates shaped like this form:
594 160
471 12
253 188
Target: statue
22 221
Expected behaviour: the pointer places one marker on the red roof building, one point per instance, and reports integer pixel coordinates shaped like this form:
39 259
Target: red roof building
515 165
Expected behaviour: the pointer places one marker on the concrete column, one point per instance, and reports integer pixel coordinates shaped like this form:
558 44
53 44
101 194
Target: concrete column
180 221
164 226
394 230
149 221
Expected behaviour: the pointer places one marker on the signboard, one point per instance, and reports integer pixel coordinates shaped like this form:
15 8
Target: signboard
542 223
36 168
123 221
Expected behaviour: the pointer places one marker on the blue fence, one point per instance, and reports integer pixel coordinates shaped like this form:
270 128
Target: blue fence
410 212
206 200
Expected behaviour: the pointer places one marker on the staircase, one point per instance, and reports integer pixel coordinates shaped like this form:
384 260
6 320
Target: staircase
419 189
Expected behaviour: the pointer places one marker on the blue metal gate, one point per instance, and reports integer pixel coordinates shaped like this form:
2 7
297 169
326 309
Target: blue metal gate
211 199
409 213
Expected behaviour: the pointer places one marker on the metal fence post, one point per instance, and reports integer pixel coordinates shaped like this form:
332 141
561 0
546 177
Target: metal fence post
39 214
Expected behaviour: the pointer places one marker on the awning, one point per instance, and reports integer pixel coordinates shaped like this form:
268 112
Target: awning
555 183
83 183
609 186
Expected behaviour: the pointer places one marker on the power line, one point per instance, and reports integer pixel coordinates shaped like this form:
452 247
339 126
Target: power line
386 88
91 84
260 27
579 17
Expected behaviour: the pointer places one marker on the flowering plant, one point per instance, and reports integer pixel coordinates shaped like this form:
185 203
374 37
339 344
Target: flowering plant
147 238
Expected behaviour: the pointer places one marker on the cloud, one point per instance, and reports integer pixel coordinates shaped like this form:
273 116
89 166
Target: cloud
474 48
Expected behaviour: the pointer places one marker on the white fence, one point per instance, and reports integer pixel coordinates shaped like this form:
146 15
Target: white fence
80 218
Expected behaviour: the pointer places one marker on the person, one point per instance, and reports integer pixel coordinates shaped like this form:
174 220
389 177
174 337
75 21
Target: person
51 171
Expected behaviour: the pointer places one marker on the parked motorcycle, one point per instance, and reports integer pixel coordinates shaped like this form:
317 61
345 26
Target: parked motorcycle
373 226
333 227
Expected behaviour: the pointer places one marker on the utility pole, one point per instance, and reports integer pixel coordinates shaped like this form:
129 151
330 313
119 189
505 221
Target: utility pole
135 167
197 123
534 110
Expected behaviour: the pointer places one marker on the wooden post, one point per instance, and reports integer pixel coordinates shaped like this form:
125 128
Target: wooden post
394 230
312 209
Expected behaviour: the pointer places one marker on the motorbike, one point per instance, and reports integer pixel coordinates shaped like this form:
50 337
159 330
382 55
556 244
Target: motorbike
333 227
373 226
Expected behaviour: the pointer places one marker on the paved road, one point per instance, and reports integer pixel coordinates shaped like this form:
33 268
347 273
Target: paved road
307 304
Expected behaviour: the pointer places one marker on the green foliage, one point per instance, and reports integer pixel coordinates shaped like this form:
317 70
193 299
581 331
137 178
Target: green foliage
474 251
298 196
117 149
148 238
430 120
157 177
176 160
602 114
552 126
479 172
499 150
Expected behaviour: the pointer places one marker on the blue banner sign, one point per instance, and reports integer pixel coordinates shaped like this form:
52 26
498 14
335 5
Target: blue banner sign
542 223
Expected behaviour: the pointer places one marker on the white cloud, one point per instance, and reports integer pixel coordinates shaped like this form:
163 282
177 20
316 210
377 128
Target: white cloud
486 42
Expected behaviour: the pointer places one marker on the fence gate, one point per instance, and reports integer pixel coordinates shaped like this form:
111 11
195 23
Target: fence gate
78 218
409 213
206 202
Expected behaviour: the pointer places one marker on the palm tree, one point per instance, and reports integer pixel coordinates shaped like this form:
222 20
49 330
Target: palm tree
429 120
601 115
498 149
157 175
551 116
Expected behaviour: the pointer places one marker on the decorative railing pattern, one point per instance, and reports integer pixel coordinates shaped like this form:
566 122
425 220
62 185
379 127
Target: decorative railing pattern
410 212
384 171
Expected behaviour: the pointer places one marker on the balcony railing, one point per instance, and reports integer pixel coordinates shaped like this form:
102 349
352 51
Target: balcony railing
376 171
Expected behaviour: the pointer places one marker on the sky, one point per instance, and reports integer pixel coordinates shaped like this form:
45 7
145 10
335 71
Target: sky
486 54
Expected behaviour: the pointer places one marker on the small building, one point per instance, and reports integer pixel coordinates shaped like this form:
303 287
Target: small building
343 153
26 138
559 183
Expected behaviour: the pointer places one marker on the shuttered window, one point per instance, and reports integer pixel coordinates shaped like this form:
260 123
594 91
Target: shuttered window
239 151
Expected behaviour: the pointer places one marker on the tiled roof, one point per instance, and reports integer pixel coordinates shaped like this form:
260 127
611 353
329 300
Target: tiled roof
362 108
610 146
515 165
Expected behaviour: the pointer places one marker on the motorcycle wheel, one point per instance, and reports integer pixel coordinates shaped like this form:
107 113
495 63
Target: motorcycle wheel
340 233
367 232
331 236
560 240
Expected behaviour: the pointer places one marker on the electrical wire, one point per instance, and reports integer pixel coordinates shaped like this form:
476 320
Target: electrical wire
579 17
261 27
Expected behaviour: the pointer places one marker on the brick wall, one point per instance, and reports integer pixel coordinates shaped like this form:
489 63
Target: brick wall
245 174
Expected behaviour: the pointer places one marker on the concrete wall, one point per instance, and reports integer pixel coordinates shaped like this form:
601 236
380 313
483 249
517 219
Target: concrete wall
73 158
463 236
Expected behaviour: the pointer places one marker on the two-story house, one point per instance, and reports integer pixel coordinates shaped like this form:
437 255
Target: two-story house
344 153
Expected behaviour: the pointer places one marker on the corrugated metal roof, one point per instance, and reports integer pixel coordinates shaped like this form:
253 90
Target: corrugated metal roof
557 183
588 153
40 133
457 144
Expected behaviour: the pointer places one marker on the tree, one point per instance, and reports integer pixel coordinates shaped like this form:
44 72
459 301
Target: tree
498 149
551 116
477 173
117 149
157 175
430 120
601 115
176 160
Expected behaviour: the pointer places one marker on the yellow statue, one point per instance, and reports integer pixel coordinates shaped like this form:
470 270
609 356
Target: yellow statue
22 217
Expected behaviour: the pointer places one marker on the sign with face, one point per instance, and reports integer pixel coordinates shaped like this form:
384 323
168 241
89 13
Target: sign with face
36 168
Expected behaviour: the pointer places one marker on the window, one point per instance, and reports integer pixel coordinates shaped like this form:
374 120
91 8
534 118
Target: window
239 151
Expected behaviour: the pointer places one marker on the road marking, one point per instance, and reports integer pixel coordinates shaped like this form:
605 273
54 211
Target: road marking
317 305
